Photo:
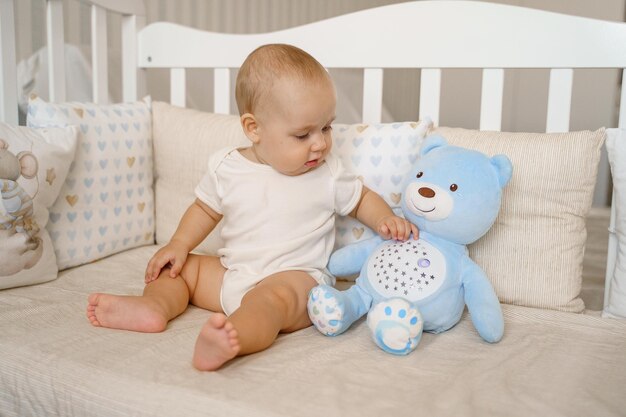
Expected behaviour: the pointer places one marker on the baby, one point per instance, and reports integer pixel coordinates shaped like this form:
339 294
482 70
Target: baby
277 199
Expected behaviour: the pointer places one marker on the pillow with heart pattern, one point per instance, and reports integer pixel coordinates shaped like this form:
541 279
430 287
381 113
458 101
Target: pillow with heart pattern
381 155
106 204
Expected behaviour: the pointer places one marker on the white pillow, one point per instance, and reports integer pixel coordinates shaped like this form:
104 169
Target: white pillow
382 155
616 148
107 202
33 166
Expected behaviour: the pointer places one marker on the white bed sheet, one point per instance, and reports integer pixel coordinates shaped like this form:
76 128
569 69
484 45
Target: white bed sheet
53 362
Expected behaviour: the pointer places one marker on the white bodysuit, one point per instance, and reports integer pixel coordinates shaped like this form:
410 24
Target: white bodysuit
274 222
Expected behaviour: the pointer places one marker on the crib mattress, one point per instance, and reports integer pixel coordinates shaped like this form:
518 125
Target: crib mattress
53 362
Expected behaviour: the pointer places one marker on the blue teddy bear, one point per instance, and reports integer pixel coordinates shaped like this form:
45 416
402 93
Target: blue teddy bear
453 196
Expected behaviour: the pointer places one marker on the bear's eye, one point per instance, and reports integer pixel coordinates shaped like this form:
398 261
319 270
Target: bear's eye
454 187
419 174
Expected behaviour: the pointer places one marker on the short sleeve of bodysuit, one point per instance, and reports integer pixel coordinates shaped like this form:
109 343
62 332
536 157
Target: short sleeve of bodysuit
208 189
348 186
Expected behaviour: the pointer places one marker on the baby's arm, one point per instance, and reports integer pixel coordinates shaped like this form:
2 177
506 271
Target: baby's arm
197 222
375 213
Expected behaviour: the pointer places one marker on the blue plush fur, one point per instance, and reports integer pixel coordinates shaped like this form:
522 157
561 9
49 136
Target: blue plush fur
453 195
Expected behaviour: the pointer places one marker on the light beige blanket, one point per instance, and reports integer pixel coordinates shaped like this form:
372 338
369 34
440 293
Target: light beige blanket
52 362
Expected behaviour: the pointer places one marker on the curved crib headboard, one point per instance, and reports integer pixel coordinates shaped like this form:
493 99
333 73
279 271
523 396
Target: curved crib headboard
430 35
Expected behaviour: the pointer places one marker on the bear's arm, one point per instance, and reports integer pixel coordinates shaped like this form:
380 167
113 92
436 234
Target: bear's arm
349 259
482 302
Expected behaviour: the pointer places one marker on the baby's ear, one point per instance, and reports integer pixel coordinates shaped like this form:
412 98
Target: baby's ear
250 126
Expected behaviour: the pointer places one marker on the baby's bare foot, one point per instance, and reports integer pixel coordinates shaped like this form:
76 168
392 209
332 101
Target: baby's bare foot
217 343
125 312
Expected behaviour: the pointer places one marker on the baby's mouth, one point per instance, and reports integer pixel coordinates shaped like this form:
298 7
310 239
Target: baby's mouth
312 163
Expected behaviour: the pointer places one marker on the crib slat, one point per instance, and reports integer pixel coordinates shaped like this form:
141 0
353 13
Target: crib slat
491 99
622 104
372 95
99 51
177 87
131 76
430 93
8 76
56 50
221 91
559 99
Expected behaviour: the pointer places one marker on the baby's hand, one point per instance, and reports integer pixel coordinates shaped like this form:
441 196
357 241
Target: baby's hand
394 227
171 254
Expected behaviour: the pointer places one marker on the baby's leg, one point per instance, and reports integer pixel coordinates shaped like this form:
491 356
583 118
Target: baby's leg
277 304
162 300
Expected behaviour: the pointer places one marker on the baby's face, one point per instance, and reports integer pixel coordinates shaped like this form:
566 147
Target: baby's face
294 125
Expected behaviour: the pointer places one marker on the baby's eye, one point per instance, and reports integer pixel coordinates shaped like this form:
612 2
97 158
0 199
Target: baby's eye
327 128
302 137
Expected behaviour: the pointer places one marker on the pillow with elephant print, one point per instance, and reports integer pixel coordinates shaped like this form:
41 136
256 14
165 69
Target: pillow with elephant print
33 166
107 202
381 155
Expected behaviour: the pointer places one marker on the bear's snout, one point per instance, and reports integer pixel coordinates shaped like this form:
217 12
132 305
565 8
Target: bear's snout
426 192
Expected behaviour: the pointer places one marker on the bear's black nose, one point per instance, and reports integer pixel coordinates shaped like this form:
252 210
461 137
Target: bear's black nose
426 192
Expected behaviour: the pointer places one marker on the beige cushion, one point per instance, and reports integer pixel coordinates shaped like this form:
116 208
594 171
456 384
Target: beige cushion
178 173
533 254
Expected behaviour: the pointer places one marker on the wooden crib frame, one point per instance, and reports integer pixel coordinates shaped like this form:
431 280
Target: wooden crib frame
526 38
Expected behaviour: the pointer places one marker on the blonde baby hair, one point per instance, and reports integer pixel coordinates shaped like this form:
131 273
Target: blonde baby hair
271 62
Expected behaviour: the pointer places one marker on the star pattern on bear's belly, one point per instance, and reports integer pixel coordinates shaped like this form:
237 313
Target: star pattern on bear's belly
410 269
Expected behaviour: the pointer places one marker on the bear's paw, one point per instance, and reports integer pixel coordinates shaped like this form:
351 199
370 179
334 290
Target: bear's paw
396 326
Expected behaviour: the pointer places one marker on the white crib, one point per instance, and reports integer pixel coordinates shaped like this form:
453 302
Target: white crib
578 43
431 36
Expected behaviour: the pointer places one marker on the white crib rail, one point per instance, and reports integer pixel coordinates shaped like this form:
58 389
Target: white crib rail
559 99
430 94
491 99
8 76
432 35
133 19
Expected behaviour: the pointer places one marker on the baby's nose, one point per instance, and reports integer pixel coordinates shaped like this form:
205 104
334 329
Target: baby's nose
319 144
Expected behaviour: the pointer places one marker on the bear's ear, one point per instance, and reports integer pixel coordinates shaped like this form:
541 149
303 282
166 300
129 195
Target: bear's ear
504 168
432 142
